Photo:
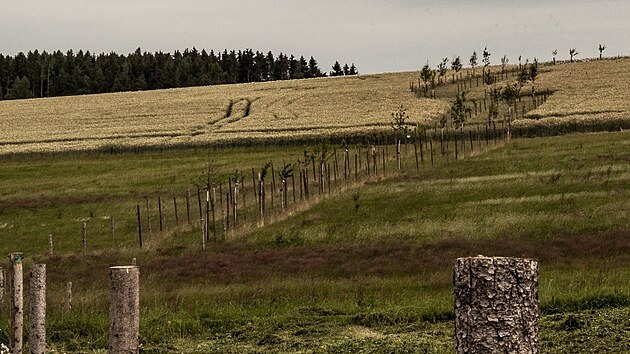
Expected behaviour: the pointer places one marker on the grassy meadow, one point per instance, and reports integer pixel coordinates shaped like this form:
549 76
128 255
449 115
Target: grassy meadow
367 268
365 264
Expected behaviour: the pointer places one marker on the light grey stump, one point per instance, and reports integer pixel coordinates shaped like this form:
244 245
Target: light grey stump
17 302
37 314
124 309
496 305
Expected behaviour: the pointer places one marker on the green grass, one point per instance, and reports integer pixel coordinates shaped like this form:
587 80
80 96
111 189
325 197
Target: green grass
334 277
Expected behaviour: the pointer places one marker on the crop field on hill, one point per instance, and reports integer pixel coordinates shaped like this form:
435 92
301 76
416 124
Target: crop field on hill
584 92
194 116
586 95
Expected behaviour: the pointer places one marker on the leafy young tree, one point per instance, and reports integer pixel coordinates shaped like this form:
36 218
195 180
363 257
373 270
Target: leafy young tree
473 61
486 57
504 62
459 111
533 74
399 123
456 64
443 67
572 53
602 47
428 76
554 53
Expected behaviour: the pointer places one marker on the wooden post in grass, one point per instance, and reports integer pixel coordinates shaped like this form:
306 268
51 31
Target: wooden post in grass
383 157
37 309
139 225
496 305
336 168
235 201
84 233
124 309
213 207
415 151
261 196
50 245
175 209
398 153
17 302
160 213
202 231
301 184
254 184
375 160
188 206
356 166
226 221
293 186
69 295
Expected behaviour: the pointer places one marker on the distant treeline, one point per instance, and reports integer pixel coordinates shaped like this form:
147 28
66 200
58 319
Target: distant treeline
57 74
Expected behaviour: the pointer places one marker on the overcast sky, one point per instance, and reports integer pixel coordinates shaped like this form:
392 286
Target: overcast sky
378 36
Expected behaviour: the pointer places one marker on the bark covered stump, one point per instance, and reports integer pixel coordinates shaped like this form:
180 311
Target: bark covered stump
37 310
17 302
124 309
496 305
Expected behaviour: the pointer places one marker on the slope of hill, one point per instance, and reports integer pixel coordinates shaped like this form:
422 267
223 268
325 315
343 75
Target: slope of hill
200 115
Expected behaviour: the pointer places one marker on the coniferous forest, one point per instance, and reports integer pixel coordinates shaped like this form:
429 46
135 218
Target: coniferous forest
45 74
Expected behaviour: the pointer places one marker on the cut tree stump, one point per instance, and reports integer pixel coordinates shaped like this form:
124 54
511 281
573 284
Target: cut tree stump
496 305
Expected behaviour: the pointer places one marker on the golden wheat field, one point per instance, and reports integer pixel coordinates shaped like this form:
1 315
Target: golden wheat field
584 91
593 89
211 114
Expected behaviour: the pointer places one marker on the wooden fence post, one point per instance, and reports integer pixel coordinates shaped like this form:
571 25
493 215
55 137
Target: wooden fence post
139 225
69 295
160 213
50 245
124 309
175 210
112 226
188 206
84 229
17 302
496 305
37 309
203 230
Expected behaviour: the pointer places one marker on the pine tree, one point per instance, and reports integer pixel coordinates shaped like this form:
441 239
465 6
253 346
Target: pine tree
21 89
473 61
353 70
337 70
313 69
304 67
346 69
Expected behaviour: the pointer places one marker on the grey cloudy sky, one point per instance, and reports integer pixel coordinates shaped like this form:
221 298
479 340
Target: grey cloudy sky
378 36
